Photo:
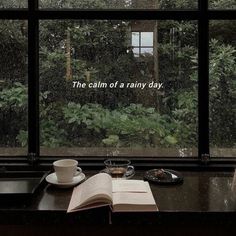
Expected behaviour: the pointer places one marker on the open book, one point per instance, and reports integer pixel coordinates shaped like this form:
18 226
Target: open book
121 195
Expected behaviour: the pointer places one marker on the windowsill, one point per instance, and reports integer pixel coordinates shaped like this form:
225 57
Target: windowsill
202 196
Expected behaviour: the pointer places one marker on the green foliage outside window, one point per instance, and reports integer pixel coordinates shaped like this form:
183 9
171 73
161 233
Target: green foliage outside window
101 50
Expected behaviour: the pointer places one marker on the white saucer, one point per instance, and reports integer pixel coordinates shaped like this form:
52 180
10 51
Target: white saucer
52 179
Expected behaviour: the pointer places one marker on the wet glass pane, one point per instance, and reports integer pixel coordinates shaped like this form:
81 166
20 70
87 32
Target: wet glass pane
102 96
222 4
13 3
120 4
222 88
13 87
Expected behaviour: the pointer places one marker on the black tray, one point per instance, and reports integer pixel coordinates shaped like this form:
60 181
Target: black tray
20 185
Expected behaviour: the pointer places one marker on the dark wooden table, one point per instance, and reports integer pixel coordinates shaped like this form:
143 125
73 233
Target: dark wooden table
204 204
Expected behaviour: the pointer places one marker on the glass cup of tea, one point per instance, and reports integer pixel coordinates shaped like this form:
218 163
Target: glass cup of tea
119 168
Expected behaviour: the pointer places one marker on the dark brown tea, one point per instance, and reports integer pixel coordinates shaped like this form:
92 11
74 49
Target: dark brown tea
117 172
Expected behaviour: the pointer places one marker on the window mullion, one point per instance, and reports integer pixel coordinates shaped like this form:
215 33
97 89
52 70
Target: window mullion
203 82
33 81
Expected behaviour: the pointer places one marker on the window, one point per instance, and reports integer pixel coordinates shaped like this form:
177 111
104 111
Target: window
142 114
13 87
222 4
117 78
142 43
13 3
222 88
120 4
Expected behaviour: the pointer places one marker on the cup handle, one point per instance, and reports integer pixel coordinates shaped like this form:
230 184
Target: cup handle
130 171
78 171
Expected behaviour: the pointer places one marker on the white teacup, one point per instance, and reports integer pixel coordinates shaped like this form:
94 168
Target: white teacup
66 170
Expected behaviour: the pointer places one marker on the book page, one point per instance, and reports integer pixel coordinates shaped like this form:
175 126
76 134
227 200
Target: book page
134 201
120 185
97 189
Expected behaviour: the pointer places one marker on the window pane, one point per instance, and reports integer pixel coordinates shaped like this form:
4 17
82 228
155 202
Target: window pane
222 4
13 87
147 51
100 99
119 4
135 39
13 3
147 39
136 52
222 88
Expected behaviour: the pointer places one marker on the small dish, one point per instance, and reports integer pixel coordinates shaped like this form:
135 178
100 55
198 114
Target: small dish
52 179
128 174
164 176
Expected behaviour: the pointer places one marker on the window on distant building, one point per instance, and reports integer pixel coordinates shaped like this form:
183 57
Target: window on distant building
142 43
